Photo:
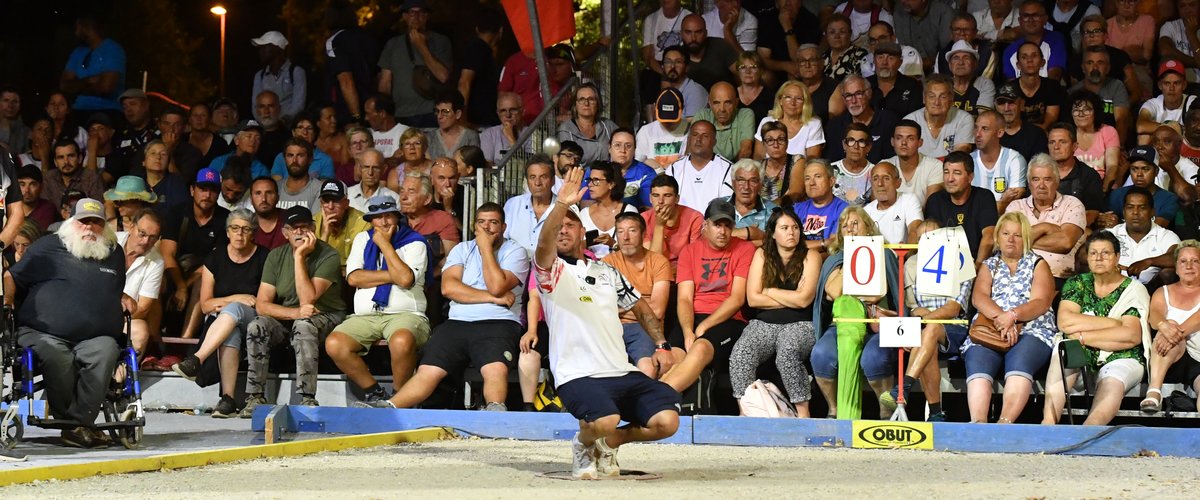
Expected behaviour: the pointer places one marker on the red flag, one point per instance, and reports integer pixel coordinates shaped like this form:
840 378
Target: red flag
556 17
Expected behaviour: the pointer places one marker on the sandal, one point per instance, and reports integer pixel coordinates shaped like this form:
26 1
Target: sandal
1151 405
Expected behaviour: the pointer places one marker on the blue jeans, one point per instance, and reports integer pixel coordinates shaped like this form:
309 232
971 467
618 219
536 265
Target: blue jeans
876 361
1024 359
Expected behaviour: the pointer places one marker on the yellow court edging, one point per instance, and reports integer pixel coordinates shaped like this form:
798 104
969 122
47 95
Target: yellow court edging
210 457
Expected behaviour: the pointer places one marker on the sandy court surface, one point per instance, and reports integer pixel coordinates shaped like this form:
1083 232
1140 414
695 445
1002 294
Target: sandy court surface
477 468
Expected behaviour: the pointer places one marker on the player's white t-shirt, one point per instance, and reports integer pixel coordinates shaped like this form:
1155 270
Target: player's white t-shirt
582 302
698 187
664 147
1159 112
1008 172
893 222
388 141
928 174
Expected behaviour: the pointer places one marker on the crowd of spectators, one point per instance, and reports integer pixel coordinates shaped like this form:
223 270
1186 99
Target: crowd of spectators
1062 136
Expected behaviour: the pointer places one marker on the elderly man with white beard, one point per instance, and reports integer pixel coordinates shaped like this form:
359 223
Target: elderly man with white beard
84 267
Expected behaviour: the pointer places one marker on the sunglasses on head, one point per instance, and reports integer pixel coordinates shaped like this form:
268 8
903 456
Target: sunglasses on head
387 205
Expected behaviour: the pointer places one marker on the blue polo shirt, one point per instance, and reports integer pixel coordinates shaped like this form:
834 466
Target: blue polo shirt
523 225
757 217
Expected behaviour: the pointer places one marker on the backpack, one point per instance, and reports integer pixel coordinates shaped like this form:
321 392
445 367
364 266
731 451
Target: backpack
763 399
698 399
546 397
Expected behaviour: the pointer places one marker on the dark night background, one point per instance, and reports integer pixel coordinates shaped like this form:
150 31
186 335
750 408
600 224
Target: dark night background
178 41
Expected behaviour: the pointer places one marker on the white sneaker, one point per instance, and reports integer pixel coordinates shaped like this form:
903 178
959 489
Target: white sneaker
584 464
606 460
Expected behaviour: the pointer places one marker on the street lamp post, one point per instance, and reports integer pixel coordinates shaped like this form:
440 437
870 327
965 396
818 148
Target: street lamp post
220 11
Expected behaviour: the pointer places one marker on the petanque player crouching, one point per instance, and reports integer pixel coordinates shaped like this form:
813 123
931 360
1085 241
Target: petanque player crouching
582 300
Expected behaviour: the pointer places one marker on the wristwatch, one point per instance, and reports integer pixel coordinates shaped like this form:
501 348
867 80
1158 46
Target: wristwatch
663 346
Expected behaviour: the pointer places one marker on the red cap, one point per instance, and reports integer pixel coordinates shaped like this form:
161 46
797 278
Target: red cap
1170 66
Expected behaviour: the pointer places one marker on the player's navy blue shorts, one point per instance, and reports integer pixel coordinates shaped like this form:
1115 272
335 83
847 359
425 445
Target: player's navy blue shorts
633 396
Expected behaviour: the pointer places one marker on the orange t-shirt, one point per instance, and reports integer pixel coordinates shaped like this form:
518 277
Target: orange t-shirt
655 268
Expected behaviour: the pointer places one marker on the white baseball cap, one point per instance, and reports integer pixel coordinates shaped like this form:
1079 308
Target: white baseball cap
270 38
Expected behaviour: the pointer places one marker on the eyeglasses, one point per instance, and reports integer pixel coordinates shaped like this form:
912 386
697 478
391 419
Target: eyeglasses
360 142
587 100
856 143
745 67
596 180
1097 31
775 141
792 98
235 229
1082 110
854 95
1103 254
147 236
443 111
569 156
387 205
413 144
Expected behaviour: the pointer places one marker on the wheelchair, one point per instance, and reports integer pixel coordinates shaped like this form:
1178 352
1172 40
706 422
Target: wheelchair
124 416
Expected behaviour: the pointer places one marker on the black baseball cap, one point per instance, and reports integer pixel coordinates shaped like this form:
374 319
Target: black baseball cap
719 208
297 215
669 106
1008 92
1143 153
333 188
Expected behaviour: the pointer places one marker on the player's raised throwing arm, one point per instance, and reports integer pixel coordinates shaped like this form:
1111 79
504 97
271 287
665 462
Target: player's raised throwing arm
568 195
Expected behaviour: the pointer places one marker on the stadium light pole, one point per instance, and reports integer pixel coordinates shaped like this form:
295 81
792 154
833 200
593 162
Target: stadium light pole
220 11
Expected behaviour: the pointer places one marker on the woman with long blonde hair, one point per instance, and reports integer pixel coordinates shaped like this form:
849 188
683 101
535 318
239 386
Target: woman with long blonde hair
793 107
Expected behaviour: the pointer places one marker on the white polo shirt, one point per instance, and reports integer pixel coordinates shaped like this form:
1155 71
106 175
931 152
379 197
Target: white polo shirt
1155 243
1008 172
698 187
144 276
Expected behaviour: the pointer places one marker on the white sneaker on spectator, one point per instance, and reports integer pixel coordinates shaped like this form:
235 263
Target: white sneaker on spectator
584 464
606 459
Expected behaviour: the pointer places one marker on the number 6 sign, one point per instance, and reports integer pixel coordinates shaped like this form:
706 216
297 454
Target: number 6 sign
863 271
900 332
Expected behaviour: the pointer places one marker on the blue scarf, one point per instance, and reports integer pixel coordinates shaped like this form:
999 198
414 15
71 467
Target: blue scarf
371 261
